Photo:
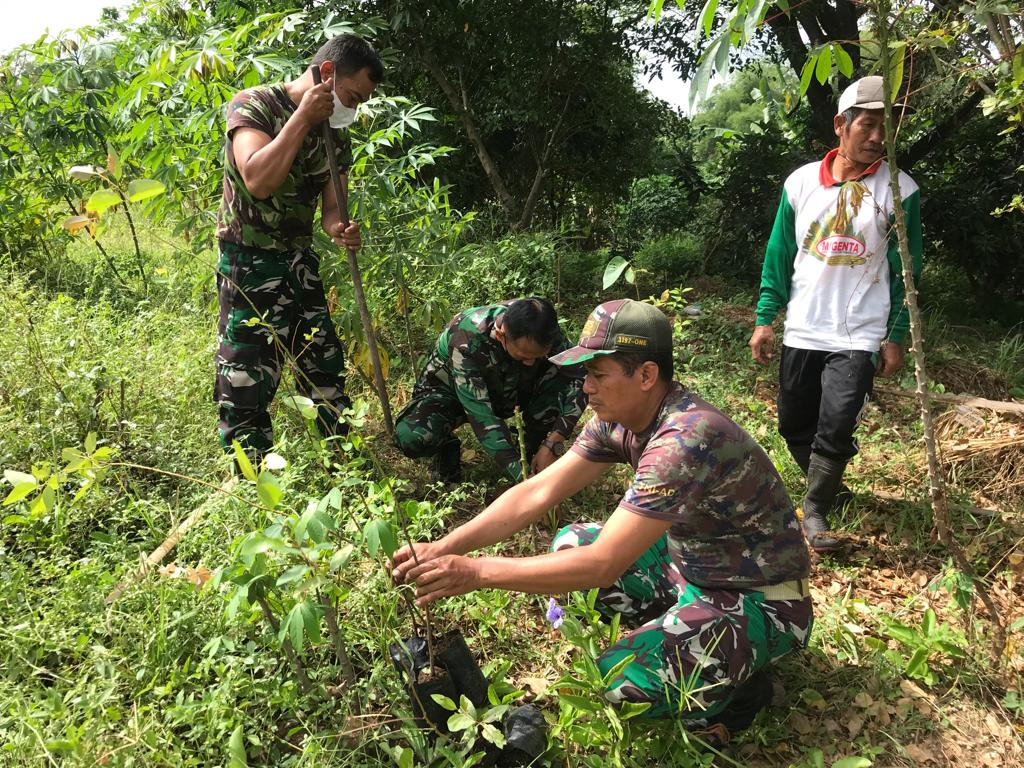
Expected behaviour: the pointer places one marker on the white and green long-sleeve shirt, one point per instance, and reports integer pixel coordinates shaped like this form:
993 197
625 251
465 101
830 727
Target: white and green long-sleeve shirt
833 259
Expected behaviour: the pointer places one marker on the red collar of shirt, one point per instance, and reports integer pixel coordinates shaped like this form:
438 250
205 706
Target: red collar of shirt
825 170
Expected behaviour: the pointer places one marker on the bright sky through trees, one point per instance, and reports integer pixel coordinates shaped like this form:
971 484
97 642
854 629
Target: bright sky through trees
26 21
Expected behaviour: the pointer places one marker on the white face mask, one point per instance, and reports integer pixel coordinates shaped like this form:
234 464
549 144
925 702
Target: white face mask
342 116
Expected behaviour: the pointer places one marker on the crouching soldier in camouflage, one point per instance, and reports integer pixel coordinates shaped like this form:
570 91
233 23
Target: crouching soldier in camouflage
487 361
272 304
703 558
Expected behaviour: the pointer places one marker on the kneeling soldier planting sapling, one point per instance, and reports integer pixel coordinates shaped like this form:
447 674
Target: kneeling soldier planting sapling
704 557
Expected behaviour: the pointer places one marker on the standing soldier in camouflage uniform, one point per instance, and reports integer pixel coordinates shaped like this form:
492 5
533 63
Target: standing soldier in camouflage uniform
704 557
272 304
486 362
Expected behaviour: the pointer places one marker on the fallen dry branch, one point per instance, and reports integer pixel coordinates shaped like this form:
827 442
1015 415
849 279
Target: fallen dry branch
889 496
158 554
1003 406
984 453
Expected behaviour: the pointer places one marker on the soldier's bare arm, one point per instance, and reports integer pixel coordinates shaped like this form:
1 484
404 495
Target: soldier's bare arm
263 161
515 509
623 539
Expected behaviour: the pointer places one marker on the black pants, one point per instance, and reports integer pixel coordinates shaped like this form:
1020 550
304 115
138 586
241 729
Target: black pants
821 395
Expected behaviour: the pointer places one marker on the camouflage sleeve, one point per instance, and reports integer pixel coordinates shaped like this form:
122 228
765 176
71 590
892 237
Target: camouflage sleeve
563 389
593 443
247 110
491 431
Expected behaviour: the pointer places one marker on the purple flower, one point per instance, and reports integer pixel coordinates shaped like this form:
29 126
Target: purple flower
556 613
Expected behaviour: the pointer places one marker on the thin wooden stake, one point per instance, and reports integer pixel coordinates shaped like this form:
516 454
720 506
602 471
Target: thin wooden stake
353 267
936 483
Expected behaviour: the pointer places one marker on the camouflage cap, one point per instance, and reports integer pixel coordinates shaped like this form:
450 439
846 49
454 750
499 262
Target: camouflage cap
622 325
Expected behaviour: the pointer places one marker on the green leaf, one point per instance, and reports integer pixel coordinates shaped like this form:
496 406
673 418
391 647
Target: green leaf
258 543
20 491
303 405
143 189
928 623
843 60
824 66
630 709
90 443
918 664
340 558
613 270
896 68
617 670
311 620
808 73
236 749
707 16
268 489
405 758
493 735
443 701
630 276
17 478
378 535
852 762
460 722
293 627
243 461
587 705
102 199
295 573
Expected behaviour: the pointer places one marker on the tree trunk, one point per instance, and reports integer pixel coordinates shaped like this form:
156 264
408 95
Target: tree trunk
460 108
542 170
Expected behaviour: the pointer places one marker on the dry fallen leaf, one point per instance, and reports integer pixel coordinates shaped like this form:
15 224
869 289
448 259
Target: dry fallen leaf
912 690
863 700
854 725
799 722
920 754
199 575
920 578
535 685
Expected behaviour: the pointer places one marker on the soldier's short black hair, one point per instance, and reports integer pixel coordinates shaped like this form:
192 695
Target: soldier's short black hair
533 318
350 54
630 361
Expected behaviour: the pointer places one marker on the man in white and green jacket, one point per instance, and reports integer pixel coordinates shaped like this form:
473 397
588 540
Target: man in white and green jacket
833 263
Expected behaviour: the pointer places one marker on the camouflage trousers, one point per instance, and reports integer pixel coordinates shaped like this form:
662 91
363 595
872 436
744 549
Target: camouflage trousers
272 311
427 422
693 646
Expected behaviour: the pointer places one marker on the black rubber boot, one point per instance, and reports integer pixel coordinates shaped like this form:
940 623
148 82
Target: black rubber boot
446 464
802 456
824 477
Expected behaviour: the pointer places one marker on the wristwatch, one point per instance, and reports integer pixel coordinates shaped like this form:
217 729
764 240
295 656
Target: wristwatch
557 447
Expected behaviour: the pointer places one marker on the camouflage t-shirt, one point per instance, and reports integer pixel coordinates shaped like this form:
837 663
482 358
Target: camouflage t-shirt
733 524
471 363
283 221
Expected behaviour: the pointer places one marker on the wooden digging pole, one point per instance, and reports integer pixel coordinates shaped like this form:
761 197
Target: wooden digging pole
353 267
